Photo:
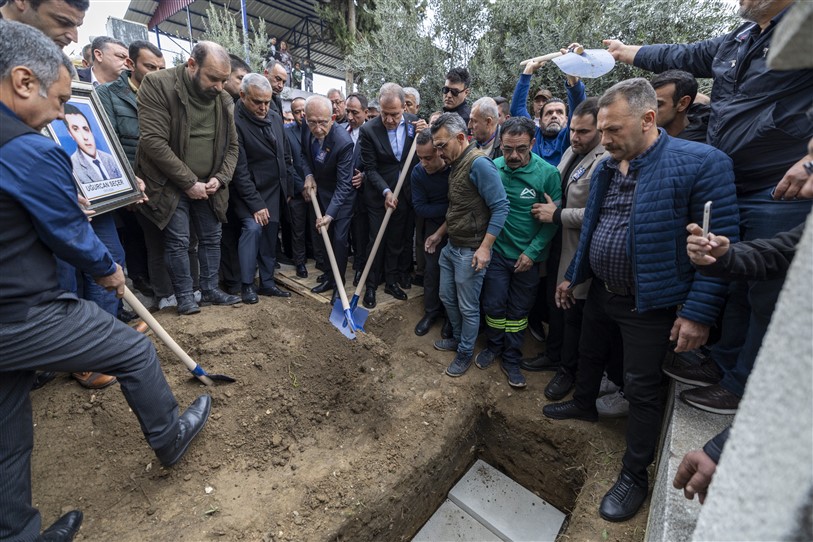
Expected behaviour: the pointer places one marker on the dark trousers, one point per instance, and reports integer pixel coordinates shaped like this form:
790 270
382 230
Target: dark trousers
132 240
300 226
360 232
406 258
507 297
258 246
431 270
69 335
420 255
177 242
154 239
105 228
554 341
285 227
645 339
229 257
387 259
338 231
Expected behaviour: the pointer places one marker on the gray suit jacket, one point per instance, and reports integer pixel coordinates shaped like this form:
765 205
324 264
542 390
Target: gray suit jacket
86 173
576 190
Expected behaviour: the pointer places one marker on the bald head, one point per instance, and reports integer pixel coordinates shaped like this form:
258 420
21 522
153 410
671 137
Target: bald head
209 67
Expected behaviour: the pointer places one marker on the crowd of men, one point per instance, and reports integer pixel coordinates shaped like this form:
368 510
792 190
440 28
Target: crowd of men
573 213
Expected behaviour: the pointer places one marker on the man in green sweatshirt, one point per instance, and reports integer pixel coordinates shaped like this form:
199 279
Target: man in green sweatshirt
509 287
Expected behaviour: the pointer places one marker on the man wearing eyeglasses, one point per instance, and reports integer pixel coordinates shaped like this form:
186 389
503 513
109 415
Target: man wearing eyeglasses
455 91
475 217
327 162
339 105
385 143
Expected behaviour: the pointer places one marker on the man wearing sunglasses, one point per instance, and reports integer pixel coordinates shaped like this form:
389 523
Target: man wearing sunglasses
455 91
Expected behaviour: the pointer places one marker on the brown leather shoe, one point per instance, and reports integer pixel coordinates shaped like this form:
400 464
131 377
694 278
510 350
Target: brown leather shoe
94 381
141 326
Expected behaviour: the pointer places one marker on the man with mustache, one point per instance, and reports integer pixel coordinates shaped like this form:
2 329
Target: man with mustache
186 155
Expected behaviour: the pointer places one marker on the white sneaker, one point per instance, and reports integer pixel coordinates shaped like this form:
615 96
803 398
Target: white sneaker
613 405
165 302
197 296
607 386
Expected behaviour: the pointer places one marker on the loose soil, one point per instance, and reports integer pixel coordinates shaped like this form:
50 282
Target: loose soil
321 438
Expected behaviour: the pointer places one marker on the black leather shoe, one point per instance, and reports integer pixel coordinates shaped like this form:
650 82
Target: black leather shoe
187 305
560 385
405 283
569 411
323 287
218 297
423 327
283 259
369 298
301 271
249 294
417 280
623 500
273 291
322 278
42 378
446 332
334 296
356 278
539 363
189 425
395 291
65 528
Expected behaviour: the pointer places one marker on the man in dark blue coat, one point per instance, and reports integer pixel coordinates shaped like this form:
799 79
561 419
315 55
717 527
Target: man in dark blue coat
758 119
327 161
299 208
261 179
631 245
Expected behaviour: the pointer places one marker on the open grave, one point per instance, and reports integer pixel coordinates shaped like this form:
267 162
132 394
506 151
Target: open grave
321 438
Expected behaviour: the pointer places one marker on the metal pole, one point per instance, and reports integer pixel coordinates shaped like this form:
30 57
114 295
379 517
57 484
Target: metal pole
245 30
157 37
189 29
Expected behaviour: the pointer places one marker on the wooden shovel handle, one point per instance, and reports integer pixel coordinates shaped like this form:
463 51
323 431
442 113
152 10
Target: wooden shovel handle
329 249
145 315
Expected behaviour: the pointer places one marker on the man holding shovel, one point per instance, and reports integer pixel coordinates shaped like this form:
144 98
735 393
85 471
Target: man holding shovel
327 161
41 326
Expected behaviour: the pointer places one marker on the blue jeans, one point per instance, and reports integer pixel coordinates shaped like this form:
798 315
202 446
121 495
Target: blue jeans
176 245
750 305
460 287
105 228
258 245
507 300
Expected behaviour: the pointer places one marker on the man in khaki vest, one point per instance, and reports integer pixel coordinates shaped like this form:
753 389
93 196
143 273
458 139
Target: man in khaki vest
477 211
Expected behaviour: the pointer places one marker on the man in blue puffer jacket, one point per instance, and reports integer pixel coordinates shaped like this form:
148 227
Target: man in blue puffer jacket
641 200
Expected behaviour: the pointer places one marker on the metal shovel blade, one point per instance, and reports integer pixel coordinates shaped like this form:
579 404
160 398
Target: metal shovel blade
342 320
199 372
592 63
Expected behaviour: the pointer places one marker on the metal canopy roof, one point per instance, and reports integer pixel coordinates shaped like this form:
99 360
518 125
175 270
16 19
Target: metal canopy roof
294 21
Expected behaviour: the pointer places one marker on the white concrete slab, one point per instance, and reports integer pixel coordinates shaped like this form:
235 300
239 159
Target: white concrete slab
507 509
451 523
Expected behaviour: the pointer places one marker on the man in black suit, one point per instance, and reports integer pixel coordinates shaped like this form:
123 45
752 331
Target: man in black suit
327 161
298 207
356 111
109 60
385 143
261 179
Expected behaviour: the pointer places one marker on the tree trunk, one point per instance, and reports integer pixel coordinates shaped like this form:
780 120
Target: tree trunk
351 31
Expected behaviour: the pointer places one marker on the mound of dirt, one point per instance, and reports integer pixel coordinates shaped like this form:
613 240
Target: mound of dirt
321 438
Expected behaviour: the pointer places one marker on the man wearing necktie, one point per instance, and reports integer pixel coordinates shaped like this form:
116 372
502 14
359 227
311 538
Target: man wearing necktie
327 162
385 143
90 165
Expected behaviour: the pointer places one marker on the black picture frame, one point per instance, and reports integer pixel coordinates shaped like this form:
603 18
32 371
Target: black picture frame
106 179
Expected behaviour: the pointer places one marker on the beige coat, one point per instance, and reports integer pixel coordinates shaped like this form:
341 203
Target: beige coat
576 191
161 156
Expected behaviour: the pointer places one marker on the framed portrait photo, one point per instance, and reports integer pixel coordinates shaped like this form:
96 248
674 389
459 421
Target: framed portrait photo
100 168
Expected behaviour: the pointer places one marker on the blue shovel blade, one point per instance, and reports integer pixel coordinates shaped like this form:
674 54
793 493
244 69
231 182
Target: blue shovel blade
339 321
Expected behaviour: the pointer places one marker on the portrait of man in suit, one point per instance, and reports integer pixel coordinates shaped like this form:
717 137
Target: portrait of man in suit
90 165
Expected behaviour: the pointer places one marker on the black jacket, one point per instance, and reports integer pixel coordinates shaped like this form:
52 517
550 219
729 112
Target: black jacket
119 102
264 166
761 259
381 168
294 135
332 169
757 114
